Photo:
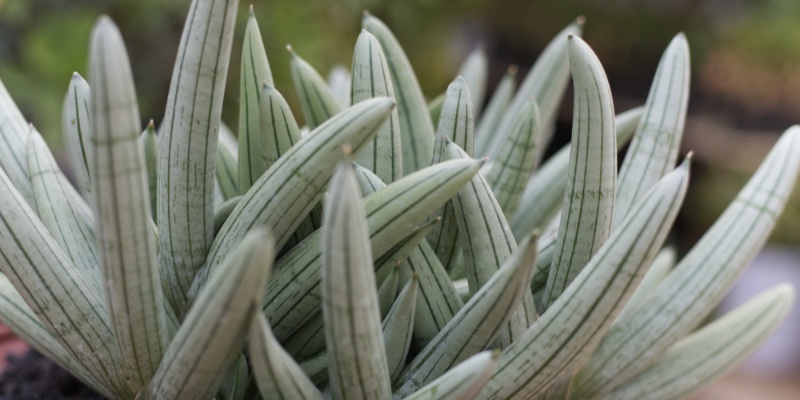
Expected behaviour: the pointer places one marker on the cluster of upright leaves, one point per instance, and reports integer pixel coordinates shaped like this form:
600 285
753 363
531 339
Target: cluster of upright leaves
426 274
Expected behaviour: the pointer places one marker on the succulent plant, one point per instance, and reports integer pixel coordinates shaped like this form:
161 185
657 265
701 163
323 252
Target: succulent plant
378 252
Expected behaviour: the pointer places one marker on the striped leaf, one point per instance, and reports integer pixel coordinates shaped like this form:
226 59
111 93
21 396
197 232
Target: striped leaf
308 340
492 115
189 145
397 327
14 130
475 71
437 301
387 291
339 82
277 375
316 98
544 192
416 128
516 160
254 74
288 191
357 358
63 211
661 266
192 368
464 381
277 134
588 204
227 171
712 351
149 142
476 325
578 319
546 82
395 257
655 145
16 314
383 155
487 244
701 278
57 292
125 242
76 126
456 124
293 293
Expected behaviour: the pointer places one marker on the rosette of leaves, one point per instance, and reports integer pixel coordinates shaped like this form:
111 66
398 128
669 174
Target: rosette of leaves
374 253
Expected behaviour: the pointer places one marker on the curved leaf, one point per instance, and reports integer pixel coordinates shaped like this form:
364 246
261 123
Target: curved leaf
464 381
254 74
416 127
192 367
487 244
288 191
701 278
293 293
356 354
655 145
76 126
275 372
14 131
516 160
544 191
546 82
713 350
63 211
572 326
316 99
23 322
189 144
588 204
397 327
125 242
383 155
475 325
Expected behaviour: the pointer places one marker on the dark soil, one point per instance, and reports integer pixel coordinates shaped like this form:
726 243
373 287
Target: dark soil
33 377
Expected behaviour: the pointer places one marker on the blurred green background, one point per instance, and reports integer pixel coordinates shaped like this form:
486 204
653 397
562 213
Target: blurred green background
745 56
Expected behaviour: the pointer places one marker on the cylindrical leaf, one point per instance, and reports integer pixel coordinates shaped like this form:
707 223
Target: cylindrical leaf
189 143
255 72
588 204
76 127
356 353
416 128
702 277
210 337
383 155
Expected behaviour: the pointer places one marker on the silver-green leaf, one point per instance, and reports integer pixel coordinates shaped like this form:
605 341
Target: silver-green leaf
416 127
189 142
588 204
701 278
357 357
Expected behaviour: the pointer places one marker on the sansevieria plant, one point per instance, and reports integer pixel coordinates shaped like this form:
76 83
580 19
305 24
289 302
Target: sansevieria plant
377 252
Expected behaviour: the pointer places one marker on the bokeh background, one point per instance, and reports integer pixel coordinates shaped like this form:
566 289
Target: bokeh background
745 88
